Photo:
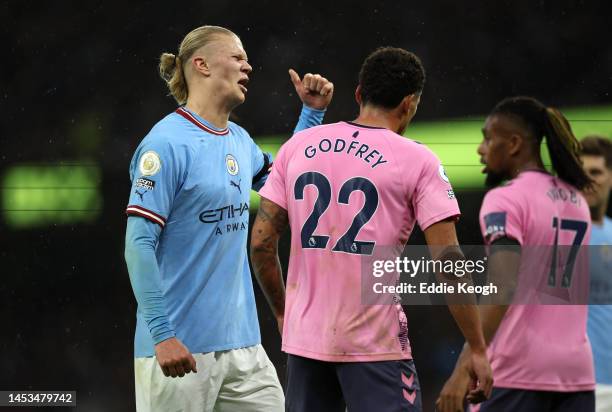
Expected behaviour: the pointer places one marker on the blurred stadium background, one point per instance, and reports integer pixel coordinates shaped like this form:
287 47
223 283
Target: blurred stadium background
80 89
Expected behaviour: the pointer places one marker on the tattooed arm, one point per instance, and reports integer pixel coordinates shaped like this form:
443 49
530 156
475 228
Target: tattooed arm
271 222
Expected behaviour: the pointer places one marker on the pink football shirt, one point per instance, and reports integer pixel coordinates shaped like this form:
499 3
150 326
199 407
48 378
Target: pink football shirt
537 346
349 189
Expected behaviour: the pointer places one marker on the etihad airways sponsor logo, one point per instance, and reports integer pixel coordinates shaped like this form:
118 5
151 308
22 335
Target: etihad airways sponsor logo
225 212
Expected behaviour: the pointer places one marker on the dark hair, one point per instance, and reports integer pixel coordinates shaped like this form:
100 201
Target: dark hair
542 121
388 75
598 146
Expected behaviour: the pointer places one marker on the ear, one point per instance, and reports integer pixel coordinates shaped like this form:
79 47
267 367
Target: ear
200 65
406 103
358 95
409 104
609 172
515 144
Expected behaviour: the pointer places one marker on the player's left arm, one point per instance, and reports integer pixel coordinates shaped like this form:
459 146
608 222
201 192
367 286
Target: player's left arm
270 223
316 93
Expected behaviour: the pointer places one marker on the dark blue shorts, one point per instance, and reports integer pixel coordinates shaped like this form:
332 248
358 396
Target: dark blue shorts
314 385
511 400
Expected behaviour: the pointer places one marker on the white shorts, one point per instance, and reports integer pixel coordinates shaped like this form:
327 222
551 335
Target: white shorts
603 398
231 380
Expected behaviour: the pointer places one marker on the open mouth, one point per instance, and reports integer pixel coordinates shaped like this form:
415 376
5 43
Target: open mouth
242 83
484 169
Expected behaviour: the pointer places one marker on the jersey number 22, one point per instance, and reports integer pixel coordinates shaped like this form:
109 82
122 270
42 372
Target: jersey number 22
347 242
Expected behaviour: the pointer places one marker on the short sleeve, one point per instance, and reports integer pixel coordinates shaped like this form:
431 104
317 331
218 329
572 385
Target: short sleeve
434 199
500 216
157 171
274 188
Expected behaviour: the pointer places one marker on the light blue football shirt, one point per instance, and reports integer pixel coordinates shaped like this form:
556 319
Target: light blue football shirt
600 312
194 181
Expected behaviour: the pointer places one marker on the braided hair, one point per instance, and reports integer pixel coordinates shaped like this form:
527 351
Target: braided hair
542 121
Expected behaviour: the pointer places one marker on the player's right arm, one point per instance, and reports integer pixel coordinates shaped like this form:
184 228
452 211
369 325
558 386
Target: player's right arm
436 208
443 244
157 170
500 226
504 263
141 238
271 221
503 266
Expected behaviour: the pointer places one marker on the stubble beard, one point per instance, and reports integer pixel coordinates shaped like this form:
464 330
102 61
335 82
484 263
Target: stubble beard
494 179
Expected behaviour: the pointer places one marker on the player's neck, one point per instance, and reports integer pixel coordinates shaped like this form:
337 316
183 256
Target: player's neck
531 164
377 117
213 112
598 212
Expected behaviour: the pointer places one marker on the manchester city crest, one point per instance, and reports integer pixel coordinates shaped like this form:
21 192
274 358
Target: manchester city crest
232 165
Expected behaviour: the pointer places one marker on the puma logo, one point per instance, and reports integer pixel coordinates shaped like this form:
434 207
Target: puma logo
140 194
237 185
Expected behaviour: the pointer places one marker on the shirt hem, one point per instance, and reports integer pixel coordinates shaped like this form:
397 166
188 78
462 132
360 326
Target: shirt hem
207 349
347 357
540 386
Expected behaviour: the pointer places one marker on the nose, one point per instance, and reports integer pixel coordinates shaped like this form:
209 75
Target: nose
247 68
481 150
